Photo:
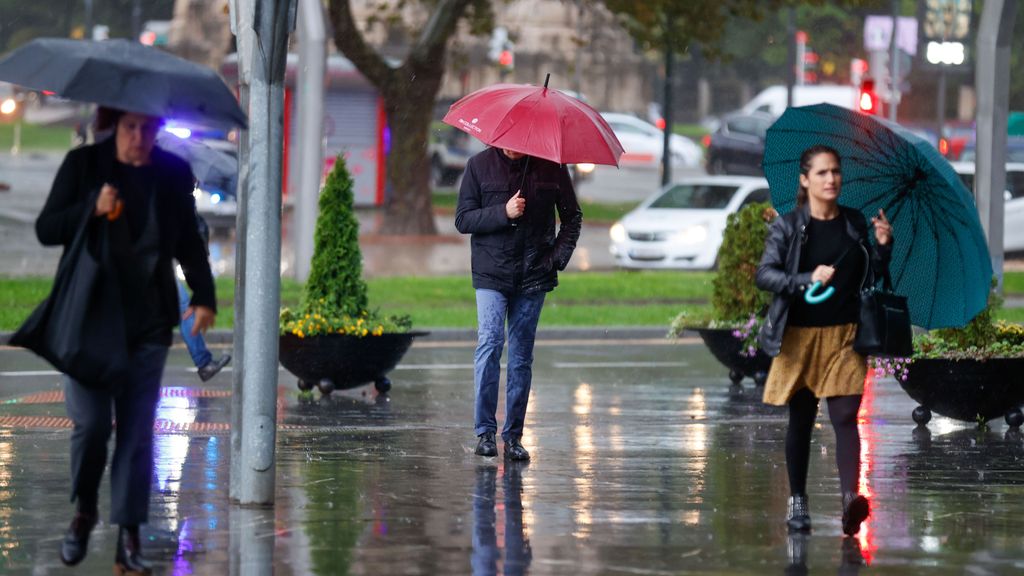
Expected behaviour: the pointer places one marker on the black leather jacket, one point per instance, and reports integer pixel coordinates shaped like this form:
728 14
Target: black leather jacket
778 270
521 256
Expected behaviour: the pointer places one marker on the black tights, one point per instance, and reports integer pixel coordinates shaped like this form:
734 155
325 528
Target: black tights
842 410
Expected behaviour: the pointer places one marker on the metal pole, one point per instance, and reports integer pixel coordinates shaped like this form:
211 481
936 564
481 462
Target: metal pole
16 146
274 19
666 149
992 82
576 72
894 64
790 56
136 19
941 113
88 20
309 140
241 27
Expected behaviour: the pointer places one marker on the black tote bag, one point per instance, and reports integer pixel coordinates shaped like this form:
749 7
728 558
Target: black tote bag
883 328
80 327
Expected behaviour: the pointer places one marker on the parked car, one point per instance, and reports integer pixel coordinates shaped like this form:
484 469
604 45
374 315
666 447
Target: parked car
1014 150
681 225
773 99
737 147
644 143
1013 209
449 154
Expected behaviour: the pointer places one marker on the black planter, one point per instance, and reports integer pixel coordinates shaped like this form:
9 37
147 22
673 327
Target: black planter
337 362
968 390
726 349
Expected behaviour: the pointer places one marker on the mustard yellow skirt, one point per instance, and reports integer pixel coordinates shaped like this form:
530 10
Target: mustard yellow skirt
821 359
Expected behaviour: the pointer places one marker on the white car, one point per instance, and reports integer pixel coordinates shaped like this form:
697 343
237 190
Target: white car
1013 209
643 144
681 225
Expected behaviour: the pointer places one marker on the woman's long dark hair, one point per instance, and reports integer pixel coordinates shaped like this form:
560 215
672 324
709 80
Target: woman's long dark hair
805 166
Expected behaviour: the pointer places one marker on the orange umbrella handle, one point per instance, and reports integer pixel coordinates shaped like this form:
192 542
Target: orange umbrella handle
116 212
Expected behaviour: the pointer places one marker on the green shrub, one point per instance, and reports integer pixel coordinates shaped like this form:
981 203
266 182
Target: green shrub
736 302
334 299
980 339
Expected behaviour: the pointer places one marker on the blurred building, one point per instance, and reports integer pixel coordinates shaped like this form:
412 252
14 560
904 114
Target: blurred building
200 31
579 44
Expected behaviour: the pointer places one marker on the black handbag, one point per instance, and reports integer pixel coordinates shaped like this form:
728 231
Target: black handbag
883 328
80 327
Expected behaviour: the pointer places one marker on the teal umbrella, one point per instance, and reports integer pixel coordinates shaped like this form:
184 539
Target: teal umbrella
1015 124
940 257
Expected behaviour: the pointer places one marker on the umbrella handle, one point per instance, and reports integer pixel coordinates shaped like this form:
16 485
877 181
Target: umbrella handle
812 297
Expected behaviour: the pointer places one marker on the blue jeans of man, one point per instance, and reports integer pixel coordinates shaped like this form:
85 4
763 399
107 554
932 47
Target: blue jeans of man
522 312
201 355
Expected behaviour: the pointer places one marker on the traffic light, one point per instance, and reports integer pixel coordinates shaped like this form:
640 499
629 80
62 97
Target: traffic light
506 59
867 101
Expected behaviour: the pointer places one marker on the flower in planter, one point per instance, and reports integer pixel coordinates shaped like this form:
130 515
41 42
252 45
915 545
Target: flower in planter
334 299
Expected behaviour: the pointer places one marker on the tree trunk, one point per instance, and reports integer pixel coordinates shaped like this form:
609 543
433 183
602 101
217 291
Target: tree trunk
408 209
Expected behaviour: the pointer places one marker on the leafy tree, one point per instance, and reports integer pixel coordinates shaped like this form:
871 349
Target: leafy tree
409 88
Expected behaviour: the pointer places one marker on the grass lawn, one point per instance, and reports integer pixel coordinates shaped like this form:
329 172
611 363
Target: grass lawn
606 212
36 137
582 298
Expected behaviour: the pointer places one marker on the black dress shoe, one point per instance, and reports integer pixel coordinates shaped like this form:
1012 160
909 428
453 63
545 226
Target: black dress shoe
76 540
856 509
798 514
486 446
129 560
211 368
514 450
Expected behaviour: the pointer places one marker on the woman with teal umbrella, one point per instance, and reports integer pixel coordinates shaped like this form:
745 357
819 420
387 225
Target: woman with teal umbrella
819 242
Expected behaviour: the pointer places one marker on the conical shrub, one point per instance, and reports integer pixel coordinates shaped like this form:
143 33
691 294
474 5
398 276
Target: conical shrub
336 271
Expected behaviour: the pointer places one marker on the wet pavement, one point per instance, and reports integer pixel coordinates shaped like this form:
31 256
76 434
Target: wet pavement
645 461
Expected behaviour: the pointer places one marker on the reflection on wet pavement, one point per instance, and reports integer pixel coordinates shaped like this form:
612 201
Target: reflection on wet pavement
645 461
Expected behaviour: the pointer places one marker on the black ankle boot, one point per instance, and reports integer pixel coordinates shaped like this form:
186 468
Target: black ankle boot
129 560
486 445
76 540
798 514
856 509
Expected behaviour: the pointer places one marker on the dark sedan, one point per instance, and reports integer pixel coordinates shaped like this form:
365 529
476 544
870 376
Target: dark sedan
738 145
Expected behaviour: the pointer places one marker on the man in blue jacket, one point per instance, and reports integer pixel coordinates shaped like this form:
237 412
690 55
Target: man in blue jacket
508 202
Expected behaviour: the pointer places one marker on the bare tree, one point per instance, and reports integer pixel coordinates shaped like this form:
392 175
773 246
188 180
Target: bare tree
409 89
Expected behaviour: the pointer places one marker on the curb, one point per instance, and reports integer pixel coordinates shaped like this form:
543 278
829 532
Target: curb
226 337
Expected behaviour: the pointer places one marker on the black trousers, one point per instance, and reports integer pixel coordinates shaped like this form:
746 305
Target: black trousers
134 407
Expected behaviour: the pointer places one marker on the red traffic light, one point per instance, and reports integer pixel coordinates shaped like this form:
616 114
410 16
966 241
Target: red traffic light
505 58
867 100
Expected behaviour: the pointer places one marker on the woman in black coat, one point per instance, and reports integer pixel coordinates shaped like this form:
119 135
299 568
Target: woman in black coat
145 195
819 241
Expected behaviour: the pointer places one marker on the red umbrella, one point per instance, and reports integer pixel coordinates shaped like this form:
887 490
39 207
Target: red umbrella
536 121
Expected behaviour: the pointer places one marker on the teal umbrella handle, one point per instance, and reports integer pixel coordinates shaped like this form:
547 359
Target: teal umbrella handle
811 296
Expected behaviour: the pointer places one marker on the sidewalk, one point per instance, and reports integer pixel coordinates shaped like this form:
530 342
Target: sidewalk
645 461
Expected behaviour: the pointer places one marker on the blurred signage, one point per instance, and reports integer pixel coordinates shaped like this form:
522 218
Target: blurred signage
946 20
878 33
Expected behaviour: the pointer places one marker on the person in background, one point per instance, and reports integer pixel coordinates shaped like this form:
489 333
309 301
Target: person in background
507 202
819 241
206 366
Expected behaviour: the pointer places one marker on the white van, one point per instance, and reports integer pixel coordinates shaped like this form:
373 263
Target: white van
773 98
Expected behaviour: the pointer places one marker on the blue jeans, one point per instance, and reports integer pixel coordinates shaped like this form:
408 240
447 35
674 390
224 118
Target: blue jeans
196 345
522 313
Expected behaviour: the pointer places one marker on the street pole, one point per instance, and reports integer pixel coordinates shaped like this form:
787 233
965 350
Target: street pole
16 146
241 26
309 139
790 56
270 22
894 64
941 114
136 19
666 149
88 20
992 81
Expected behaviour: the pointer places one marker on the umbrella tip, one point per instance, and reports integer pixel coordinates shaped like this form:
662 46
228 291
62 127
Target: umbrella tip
546 78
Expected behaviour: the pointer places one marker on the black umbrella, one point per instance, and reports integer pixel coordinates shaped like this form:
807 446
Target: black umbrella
124 75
